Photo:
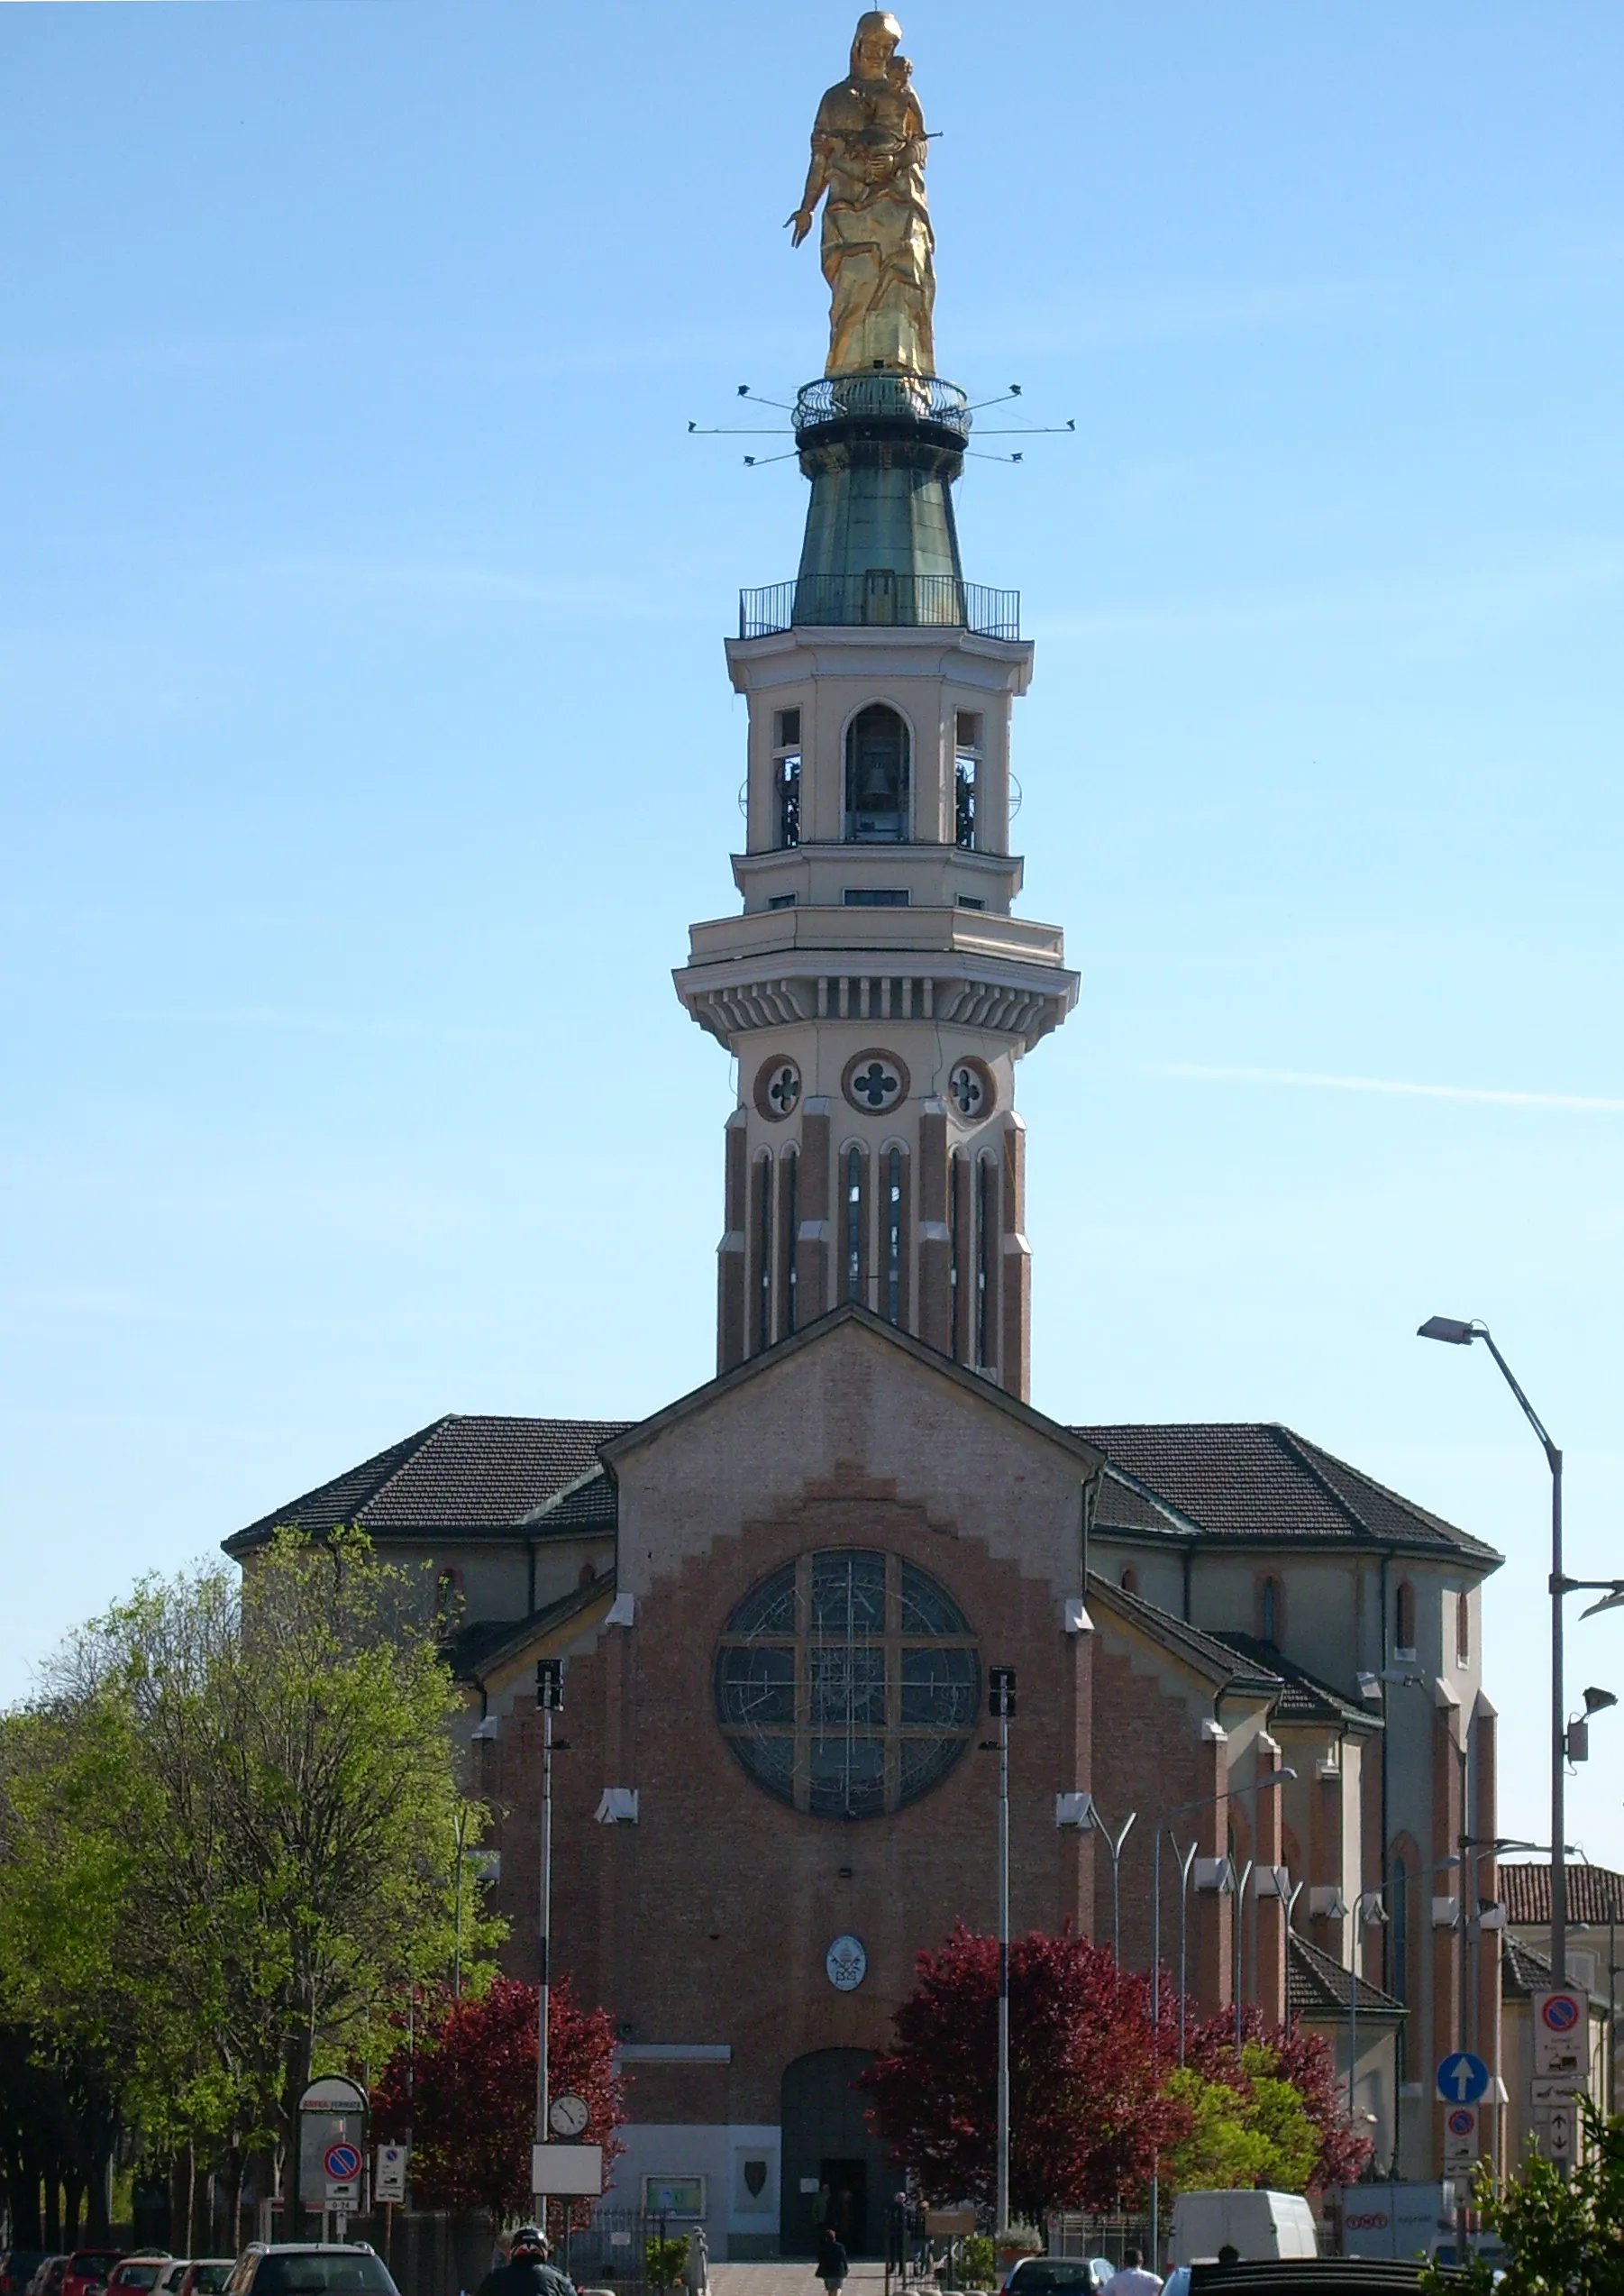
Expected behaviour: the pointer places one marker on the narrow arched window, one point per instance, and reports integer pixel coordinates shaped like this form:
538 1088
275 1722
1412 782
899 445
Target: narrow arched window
1129 1580
763 1229
983 1260
786 777
1271 1610
893 1236
854 1223
1463 1628
966 776
1404 1616
788 1191
877 777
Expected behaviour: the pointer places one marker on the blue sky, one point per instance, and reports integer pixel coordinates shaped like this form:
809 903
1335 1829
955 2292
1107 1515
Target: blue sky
367 745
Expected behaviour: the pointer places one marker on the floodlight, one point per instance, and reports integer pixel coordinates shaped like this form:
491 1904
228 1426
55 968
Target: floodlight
1449 1328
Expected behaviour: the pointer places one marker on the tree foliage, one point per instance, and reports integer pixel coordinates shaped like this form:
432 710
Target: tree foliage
227 1830
1250 2128
1288 2077
463 2088
1089 2113
1562 2236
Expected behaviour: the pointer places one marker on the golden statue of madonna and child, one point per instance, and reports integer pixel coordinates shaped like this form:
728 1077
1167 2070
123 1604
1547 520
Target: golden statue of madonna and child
867 155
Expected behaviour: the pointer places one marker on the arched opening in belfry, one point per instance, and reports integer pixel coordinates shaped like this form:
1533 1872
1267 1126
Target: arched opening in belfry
876 777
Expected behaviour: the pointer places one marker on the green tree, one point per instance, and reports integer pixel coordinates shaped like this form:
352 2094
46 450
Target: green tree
1563 2236
227 1832
1250 2128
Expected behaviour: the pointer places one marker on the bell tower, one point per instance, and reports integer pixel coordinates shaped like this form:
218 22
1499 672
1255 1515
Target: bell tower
876 989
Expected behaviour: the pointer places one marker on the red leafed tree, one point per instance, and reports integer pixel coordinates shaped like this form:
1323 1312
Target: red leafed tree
1087 2114
1305 2060
465 2089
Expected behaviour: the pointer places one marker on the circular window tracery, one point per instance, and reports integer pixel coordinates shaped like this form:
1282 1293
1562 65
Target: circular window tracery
778 1088
971 1089
874 1081
848 1683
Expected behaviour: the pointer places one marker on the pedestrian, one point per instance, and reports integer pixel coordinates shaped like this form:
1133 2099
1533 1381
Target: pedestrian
526 2271
831 2265
696 2270
1133 2280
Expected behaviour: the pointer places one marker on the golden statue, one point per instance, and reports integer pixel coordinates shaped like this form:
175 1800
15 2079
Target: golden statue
867 153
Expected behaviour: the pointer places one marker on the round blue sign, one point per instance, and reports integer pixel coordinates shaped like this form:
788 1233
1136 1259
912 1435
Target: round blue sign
1462 2078
342 2163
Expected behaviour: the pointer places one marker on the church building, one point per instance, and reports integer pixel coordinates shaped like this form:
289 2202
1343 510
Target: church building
779 1597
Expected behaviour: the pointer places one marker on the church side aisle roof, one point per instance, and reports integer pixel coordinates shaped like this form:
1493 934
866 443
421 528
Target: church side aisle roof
1231 1669
1303 1696
1256 1481
1317 1985
1246 1482
464 1472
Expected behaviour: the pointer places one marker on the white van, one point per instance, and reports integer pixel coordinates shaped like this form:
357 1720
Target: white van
1260 2225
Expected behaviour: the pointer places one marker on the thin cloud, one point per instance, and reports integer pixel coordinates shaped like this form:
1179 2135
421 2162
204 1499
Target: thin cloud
1313 1080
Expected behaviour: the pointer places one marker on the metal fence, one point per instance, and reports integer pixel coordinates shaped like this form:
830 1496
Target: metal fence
1082 2235
879 600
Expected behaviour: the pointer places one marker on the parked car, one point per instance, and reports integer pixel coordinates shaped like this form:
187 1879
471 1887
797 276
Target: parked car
138 2276
1057 2276
18 2267
1177 2282
310 2268
48 2276
86 2270
204 2276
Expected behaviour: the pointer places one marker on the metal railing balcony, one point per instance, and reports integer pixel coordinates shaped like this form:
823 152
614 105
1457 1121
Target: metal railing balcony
885 398
879 600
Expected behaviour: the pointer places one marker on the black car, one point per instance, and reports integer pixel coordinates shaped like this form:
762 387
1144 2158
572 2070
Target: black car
1310 2276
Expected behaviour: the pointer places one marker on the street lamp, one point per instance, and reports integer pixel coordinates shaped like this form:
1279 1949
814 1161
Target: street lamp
550 1697
1000 1705
1453 1332
1275 1779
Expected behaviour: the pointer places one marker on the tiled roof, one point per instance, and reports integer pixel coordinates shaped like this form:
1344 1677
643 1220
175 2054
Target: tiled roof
1213 1656
481 1645
464 1472
1317 1986
592 1504
1522 1971
1254 1481
1595 1893
1303 1697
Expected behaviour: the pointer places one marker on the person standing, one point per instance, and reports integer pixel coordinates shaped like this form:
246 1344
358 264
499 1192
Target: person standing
527 2272
831 2265
696 2270
1133 2280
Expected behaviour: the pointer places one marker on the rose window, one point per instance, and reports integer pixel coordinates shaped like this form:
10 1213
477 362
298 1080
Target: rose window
778 1090
874 1081
970 1089
847 1683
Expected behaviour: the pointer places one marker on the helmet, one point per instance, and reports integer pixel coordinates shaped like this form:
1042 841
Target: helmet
528 2236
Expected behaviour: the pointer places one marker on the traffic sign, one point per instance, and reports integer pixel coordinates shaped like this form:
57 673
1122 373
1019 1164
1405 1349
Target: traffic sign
1560 2040
1553 2126
341 2162
389 2177
1460 2135
1462 2078
1551 2092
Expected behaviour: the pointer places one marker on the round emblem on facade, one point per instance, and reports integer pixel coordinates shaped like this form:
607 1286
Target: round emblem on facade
847 1963
874 1081
971 1089
777 1089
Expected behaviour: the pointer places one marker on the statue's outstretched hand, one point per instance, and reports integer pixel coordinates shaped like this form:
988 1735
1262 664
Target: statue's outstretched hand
802 222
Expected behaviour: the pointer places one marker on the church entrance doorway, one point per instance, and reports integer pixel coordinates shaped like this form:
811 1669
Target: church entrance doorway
834 2169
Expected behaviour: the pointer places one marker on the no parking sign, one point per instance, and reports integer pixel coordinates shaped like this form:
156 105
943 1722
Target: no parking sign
1561 2041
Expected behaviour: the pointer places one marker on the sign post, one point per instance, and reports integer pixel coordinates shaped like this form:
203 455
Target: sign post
332 2144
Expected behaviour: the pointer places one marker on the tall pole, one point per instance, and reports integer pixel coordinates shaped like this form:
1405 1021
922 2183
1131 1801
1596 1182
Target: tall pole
1455 1333
1558 1734
550 1697
1000 1701
1003 1970
1186 1859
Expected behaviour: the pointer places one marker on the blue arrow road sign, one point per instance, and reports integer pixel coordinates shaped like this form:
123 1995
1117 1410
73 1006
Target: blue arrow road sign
1462 2078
